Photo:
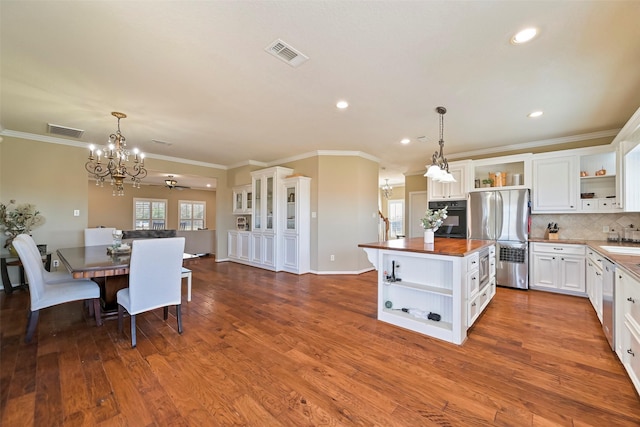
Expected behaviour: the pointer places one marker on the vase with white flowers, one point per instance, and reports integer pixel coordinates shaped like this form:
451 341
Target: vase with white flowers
18 219
431 221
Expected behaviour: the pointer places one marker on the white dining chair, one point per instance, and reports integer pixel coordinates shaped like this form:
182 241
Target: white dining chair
98 236
44 295
155 280
50 277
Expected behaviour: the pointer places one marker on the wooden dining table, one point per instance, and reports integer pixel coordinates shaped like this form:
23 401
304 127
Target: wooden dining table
110 271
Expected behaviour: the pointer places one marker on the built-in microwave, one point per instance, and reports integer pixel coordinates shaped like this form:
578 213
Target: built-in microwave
455 225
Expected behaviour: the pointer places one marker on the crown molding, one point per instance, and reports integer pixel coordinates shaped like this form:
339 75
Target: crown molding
80 144
319 153
525 146
534 144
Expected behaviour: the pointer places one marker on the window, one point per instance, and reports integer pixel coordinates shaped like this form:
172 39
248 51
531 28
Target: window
191 214
396 218
149 214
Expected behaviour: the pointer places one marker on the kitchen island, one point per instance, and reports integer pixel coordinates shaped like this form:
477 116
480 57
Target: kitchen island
442 287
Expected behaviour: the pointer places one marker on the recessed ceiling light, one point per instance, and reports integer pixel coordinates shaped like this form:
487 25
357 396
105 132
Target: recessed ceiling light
524 36
342 105
535 114
405 141
208 185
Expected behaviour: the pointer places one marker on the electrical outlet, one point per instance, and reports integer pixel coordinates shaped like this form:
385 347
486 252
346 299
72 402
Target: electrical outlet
333 257
605 228
56 263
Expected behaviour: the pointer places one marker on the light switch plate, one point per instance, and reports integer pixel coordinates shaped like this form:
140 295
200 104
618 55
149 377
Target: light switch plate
76 212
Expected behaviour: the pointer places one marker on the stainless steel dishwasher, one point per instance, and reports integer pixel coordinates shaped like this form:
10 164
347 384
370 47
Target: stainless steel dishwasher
608 298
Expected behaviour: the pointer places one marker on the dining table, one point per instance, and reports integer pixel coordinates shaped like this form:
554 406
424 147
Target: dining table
110 270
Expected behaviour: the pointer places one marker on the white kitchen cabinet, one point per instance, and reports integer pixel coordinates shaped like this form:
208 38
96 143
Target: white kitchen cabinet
627 144
594 280
627 323
242 200
555 184
558 268
280 225
479 294
238 245
428 283
266 193
295 230
266 185
451 190
631 167
603 187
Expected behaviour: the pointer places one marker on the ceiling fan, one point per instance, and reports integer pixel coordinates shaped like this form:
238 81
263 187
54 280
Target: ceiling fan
171 183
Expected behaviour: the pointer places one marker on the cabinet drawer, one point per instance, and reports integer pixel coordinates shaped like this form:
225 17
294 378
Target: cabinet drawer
632 353
559 248
607 204
632 304
473 282
589 204
473 311
595 258
473 261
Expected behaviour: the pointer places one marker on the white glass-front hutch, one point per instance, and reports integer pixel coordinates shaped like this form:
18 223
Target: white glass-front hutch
295 225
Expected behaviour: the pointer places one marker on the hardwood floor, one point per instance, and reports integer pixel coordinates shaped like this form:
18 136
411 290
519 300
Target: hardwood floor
267 349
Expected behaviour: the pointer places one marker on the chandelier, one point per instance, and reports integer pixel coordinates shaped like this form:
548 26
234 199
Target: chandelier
439 169
386 189
116 156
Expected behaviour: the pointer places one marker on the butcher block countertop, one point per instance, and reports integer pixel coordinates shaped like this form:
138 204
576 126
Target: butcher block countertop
441 246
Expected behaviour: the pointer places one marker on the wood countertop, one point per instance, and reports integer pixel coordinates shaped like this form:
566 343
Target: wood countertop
441 246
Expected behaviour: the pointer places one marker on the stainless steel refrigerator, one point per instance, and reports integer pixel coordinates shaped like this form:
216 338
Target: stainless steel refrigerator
503 216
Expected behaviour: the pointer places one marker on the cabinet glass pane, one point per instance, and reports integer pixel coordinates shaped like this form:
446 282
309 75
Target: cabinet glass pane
238 201
269 203
291 208
249 194
257 214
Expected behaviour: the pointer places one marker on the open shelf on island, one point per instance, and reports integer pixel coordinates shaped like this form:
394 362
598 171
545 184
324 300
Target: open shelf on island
447 326
420 287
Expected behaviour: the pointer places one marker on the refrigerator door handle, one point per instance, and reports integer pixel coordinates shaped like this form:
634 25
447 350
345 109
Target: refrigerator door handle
499 216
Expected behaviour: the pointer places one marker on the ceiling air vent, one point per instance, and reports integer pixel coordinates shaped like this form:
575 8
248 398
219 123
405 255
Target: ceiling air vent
157 141
64 131
286 53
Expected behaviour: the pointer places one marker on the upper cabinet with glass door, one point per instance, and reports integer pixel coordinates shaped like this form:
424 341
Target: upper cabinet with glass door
265 195
242 200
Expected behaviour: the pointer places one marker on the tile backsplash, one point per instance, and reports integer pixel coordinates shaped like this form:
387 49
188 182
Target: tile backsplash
584 226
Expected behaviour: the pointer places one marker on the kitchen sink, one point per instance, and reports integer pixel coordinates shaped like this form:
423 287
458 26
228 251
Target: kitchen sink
622 250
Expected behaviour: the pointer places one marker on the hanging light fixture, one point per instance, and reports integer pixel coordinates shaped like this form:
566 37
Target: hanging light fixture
439 169
387 190
116 157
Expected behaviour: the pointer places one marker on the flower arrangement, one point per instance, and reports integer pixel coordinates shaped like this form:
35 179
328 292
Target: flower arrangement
19 219
432 220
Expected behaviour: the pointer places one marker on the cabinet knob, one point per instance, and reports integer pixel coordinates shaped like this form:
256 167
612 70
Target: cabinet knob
571 206
631 300
473 304
631 352
562 259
